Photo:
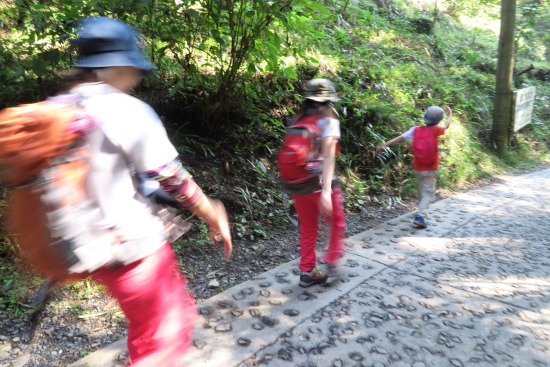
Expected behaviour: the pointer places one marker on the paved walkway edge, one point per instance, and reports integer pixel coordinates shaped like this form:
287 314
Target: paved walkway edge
104 357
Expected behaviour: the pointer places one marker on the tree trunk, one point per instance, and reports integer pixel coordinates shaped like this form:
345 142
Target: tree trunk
22 14
500 134
345 6
432 29
380 3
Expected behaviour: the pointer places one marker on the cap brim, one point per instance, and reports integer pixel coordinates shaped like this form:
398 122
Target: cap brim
322 99
119 58
432 121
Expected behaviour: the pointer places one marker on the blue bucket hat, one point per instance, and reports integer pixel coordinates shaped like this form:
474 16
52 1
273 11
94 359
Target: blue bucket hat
104 42
433 115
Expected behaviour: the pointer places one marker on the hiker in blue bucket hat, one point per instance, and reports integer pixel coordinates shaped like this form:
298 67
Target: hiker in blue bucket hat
131 141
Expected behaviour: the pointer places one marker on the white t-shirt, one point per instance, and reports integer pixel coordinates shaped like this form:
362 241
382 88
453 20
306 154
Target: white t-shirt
130 138
409 135
329 127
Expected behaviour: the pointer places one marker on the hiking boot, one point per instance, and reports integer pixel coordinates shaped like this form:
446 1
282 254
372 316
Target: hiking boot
312 277
420 222
40 298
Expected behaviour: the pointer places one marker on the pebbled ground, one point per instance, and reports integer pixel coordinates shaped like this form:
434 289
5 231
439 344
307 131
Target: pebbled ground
472 290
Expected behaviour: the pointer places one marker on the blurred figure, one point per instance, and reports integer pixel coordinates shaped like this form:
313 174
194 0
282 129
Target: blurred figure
143 273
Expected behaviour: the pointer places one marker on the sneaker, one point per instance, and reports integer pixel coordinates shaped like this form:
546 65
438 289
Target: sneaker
420 222
312 277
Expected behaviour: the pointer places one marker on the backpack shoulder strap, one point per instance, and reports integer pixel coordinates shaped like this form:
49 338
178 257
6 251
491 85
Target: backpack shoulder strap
421 127
308 123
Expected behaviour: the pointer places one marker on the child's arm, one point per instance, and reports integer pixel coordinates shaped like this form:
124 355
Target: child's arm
380 147
328 152
449 113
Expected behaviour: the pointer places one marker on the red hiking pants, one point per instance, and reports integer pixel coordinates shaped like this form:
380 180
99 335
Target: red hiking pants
307 207
154 297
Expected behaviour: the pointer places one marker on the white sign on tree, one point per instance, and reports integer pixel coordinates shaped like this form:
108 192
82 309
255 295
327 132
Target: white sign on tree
524 107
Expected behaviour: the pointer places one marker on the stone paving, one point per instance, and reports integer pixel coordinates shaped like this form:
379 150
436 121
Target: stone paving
471 290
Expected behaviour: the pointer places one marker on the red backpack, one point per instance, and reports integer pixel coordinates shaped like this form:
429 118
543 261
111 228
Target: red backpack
297 159
424 146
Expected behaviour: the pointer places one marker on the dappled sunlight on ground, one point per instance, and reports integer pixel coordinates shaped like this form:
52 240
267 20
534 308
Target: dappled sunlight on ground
472 289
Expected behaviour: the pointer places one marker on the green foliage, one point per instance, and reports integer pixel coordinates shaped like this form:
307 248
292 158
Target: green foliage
488 8
532 30
14 281
201 47
15 286
463 159
214 42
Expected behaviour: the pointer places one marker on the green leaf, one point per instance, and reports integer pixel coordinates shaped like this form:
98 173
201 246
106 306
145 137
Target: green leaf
290 73
320 7
273 50
53 56
192 69
277 40
193 13
38 66
300 24
220 41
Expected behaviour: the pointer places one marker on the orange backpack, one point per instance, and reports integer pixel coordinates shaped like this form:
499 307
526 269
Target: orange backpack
44 164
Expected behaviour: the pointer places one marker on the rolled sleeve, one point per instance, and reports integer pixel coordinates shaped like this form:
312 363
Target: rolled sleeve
409 135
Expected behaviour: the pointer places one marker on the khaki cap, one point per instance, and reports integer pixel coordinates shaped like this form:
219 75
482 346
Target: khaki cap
320 90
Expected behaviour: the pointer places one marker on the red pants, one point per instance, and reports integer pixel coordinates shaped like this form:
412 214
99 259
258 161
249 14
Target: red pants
154 297
307 208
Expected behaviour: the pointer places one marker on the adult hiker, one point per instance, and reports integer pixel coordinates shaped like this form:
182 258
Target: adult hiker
143 273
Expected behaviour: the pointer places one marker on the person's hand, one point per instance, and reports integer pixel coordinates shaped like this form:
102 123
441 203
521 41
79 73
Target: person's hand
448 111
325 203
380 147
219 228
